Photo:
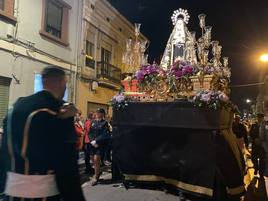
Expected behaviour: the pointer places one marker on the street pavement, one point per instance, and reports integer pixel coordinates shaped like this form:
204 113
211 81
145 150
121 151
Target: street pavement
106 191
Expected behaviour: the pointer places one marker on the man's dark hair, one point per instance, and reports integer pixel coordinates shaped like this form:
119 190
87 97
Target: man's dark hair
52 72
101 110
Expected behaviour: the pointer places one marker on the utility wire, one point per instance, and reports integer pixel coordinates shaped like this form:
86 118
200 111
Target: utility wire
247 85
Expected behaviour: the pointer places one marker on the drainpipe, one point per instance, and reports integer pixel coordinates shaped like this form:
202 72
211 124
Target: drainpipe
95 52
77 50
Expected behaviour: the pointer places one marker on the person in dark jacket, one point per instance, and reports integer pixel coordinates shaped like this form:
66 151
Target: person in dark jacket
264 144
99 136
39 142
240 132
256 154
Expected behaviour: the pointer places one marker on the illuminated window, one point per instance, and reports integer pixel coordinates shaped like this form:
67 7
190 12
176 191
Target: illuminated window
89 61
38 86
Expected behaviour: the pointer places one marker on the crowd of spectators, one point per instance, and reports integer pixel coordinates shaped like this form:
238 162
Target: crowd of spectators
94 138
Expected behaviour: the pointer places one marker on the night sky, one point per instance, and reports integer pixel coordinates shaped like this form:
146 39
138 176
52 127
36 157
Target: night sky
241 26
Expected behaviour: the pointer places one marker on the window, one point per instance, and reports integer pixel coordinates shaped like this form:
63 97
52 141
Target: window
2 4
55 21
54 18
38 86
90 62
89 49
7 10
106 56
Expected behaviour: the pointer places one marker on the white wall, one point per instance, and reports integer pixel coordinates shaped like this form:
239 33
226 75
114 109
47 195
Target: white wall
23 62
29 25
24 70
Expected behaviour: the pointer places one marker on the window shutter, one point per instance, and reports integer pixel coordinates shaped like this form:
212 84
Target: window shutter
4 97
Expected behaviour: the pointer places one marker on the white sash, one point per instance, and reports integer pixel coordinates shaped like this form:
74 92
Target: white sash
30 186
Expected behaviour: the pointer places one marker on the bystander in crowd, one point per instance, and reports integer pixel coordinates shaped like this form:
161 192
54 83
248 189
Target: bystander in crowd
257 150
240 132
79 128
99 136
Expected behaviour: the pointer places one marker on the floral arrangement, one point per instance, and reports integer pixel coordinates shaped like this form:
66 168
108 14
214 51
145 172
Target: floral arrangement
149 76
219 71
178 81
119 101
147 72
181 69
179 76
175 77
211 99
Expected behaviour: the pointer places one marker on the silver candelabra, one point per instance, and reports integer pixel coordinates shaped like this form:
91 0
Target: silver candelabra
202 46
134 55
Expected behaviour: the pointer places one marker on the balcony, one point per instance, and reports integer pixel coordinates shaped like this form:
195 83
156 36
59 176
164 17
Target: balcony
108 72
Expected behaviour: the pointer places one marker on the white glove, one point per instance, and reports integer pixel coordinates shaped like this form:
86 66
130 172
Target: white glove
94 143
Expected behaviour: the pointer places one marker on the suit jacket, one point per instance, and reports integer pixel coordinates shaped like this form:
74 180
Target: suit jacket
51 143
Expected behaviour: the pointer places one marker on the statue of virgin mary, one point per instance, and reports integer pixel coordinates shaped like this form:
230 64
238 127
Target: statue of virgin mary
176 45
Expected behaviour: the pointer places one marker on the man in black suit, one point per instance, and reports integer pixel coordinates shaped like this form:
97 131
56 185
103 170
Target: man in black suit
257 150
240 132
39 150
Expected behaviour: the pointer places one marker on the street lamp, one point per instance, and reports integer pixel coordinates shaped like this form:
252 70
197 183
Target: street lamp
248 100
264 58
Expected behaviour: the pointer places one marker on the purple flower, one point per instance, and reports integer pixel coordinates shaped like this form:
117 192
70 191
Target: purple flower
187 70
147 70
205 97
178 74
119 98
140 75
180 69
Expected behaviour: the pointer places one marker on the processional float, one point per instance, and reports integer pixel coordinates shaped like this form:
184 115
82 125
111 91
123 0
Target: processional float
172 122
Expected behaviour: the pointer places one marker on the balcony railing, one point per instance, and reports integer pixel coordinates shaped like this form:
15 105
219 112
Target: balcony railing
108 71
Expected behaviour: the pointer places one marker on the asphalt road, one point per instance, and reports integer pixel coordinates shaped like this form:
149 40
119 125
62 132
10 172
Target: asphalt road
106 191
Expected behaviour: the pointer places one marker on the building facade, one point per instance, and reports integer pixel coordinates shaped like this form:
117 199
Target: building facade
105 32
34 34
86 38
262 98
